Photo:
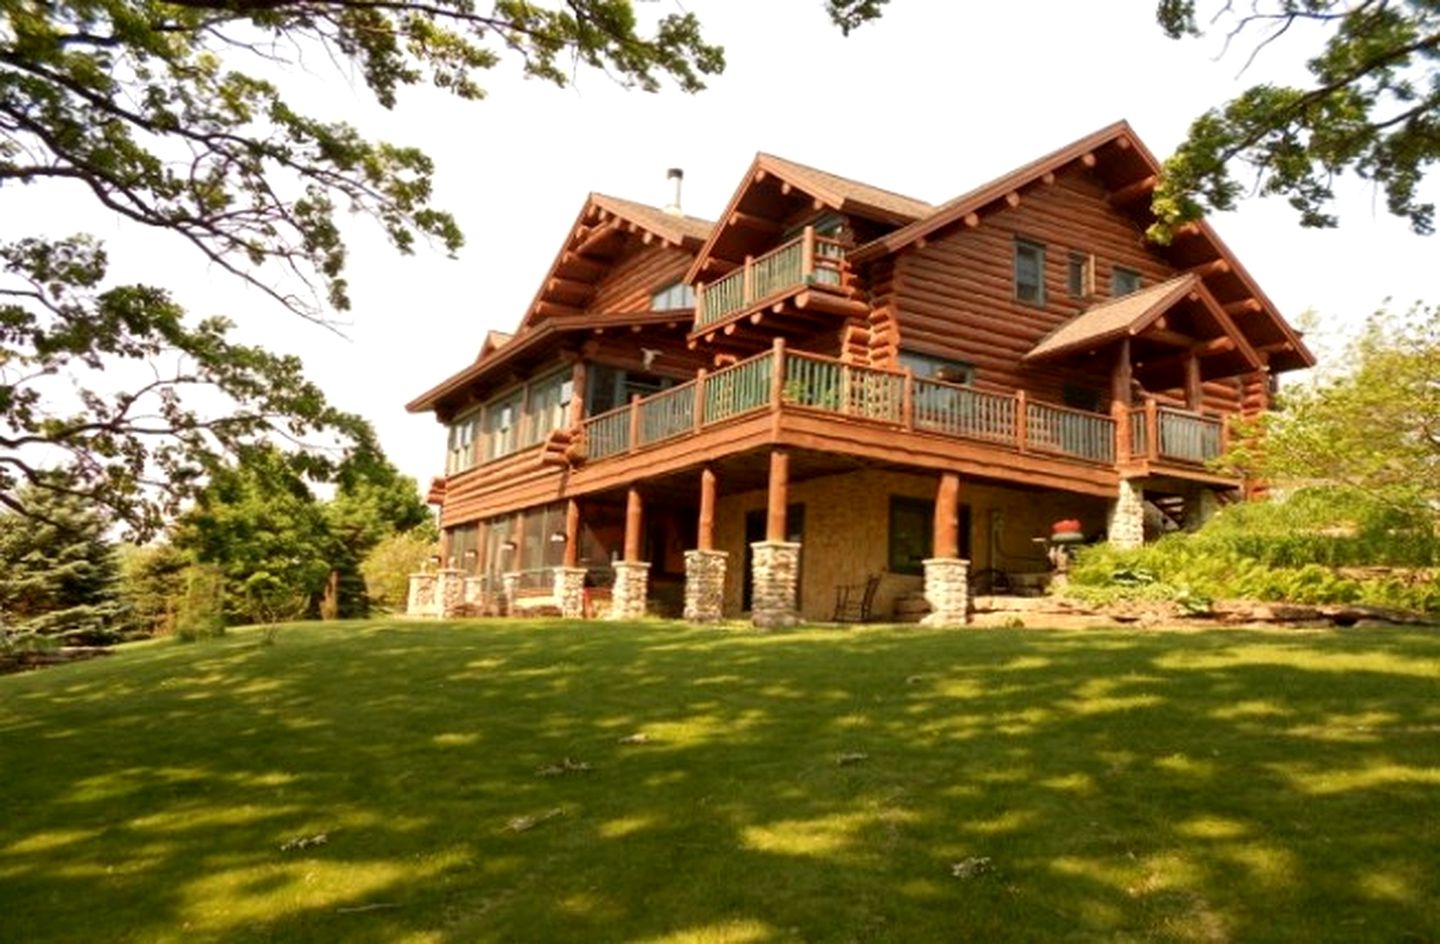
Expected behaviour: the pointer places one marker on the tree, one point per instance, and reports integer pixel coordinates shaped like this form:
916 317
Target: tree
59 576
388 566
1373 108
1372 426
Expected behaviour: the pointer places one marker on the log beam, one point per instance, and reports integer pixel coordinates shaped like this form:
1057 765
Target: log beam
777 496
1134 192
572 533
705 532
947 516
1209 269
1249 306
634 524
757 223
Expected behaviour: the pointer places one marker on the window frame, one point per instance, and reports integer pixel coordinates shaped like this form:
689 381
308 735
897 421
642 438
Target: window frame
1080 274
660 299
1022 245
1135 274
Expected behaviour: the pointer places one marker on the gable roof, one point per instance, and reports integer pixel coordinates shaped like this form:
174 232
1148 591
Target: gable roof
1131 315
1115 139
493 341
841 194
603 214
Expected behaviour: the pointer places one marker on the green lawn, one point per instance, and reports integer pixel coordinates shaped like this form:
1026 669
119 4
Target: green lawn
1124 786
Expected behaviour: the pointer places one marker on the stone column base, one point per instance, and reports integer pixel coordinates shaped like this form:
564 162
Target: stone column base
632 584
570 591
947 590
775 572
704 585
450 591
509 590
421 600
1126 529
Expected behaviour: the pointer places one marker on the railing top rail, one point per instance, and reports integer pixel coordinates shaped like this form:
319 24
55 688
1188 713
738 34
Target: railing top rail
668 391
1040 404
607 414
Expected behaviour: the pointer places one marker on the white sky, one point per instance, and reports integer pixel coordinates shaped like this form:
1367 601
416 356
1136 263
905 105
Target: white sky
931 100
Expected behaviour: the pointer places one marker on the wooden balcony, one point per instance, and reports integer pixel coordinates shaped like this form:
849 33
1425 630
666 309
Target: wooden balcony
805 262
847 408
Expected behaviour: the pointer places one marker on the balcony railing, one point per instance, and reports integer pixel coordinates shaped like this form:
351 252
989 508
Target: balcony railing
1162 432
805 260
780 380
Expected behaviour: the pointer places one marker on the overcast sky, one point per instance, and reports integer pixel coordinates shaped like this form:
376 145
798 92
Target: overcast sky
931 100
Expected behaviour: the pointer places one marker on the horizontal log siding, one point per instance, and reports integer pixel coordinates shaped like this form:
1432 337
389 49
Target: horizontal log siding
956 296
628 286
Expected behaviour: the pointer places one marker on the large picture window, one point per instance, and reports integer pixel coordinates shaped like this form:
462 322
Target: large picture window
547 406
460 452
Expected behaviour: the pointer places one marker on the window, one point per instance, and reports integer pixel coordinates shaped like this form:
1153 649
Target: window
1029 272
1123 281
672 297
1081 274
930 367
460 453
912 533
547 407
462 548
1080 397
611 387
502 419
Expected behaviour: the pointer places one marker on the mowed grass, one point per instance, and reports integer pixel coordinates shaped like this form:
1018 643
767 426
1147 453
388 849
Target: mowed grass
1123 786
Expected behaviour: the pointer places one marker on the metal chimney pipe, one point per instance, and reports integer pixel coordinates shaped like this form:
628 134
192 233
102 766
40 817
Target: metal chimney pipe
678 175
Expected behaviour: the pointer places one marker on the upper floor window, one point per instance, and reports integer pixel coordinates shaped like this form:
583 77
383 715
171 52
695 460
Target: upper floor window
672 297
460 454
1123 281
547 407
1029 272
930 367
1081 275
502 424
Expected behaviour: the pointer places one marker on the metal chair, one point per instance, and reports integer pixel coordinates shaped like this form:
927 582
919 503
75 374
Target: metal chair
853 602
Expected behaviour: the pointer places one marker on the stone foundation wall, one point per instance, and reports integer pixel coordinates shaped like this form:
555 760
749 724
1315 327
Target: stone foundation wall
632 582
947 590
704 585
421 600
509 591
1127 517
776 569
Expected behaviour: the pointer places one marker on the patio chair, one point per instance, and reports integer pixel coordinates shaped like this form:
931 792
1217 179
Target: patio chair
853 602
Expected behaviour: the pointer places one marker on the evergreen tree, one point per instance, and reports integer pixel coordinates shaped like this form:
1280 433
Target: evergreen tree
59 575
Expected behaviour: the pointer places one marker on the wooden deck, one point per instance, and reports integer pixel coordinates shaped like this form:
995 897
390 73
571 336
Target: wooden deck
800 401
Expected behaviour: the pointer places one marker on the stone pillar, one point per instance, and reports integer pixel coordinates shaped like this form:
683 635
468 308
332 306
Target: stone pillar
704 585
632 584
775 569
421 599
570 591
1127 517
1200 506
947 590
509 591
450 591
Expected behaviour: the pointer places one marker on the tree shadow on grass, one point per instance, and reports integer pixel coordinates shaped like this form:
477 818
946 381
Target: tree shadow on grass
809 786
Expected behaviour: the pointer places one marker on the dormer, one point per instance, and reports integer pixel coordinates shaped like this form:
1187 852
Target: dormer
776 263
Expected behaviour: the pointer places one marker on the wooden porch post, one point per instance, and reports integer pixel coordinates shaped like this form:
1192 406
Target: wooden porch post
572 533
778 496
634 521
705 532
1194 391
1121 375
577 394
947 516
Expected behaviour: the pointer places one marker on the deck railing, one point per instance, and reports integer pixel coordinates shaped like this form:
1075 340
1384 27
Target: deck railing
805 260
963 411
739 388
607 434
781 380
667 414
1070 432
1187 437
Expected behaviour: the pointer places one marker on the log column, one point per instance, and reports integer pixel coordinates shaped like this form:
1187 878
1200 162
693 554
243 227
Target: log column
947 575
705 566
775 562
570 576
632 575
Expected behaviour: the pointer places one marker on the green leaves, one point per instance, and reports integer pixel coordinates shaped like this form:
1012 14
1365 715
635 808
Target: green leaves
1373 109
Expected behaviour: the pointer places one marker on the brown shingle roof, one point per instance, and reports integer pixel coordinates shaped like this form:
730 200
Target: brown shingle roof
667 225
839 190
1114 319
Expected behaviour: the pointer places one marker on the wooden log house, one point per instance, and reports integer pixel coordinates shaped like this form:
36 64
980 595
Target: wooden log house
834 381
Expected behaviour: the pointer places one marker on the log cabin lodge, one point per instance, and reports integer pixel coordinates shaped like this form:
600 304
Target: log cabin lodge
836 385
